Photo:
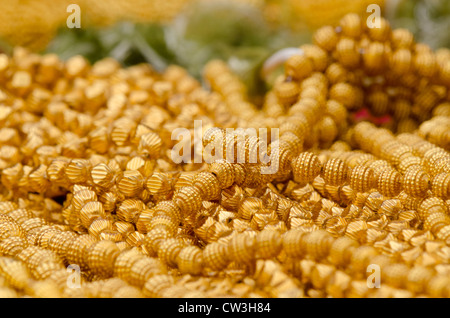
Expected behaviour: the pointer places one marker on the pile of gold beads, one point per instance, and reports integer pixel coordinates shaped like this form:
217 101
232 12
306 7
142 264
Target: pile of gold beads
87 176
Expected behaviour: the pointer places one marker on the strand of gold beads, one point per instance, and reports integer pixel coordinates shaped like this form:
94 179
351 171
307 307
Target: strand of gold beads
138 224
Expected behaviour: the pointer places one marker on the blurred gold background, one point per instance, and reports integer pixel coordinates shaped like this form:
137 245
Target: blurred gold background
33 24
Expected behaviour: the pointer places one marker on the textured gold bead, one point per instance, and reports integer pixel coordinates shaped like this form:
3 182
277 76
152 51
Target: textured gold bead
215 256
441 185
158 184
76 252
317 56
241 249
434 222
143 269
15 272
12 246
402 38
287 92
78 170
224 172
351 25
10 229
335 172
268 244
131 183
425 64
298 67
21 215
306 167
60 241
361 178
292 245
168 251
150 144
102 175
348 95
188 199
129 210
347 53
190 260
401 61
341 250
416 182
326 38
208 185
389 183
382 32
155 285
101 257
98 226
91 211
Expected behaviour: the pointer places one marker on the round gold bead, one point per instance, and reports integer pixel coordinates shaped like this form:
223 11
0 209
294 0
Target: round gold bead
215 256
335 172
208 185
169 250
77 248
190 260
188 199
223 171
143 269
155 285
306 167
326 38
441 185
268 244
298 67
416 182
361 178
389 183
101 257
241 248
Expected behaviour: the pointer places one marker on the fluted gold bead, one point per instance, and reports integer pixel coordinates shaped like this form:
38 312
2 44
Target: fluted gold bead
335 172
416 182
190 260
306 167
101 257
208 185
298 67
389 183
361 178
326 38
169 250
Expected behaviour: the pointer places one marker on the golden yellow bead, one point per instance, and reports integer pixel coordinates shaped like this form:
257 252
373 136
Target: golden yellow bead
298 67
326 38
441 185
241 248
335 172
389 183
190 260
155 285
306 167
101 257
362 178
224 172
169 250
416 182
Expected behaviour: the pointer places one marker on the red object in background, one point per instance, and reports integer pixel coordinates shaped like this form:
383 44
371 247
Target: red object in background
364 114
